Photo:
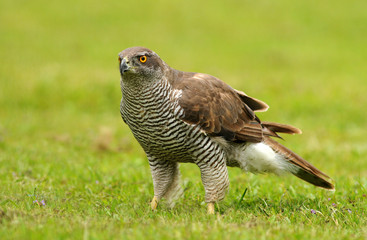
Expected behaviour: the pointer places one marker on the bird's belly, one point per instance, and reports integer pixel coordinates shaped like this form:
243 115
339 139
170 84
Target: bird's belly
164 137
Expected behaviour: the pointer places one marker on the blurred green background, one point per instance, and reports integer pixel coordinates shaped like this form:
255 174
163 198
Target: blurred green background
306 59
59 83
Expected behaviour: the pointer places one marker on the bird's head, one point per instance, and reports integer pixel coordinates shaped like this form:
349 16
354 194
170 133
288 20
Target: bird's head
140 64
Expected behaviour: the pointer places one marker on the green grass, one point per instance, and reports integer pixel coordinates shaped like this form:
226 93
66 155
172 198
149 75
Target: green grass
62 139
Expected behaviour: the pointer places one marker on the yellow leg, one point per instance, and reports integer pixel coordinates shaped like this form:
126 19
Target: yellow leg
211 208
154 203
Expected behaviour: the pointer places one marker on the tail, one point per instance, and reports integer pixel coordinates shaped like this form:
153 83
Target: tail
302 169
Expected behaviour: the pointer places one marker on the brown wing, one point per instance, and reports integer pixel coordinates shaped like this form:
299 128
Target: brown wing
219 109
255 104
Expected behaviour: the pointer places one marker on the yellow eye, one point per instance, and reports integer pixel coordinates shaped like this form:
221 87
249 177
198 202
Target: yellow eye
143 59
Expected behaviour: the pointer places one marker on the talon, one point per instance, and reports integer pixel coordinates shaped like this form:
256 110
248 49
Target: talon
211 208
154 203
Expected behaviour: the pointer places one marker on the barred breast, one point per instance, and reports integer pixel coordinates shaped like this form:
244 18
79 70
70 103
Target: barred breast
153 115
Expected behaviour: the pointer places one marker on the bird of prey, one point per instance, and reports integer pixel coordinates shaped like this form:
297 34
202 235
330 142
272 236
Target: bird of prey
180 117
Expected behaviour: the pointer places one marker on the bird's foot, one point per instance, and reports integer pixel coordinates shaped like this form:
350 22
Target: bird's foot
211 208
154 203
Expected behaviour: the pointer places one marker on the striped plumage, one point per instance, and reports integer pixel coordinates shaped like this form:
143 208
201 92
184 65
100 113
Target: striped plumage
192 117
152 115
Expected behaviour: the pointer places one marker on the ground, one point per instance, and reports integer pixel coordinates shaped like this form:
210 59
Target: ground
71 169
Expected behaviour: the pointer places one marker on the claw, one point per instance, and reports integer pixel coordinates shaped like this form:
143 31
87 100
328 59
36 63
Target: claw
154 203
211 208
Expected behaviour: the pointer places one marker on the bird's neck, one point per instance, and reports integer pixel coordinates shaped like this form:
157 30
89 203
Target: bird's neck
144 90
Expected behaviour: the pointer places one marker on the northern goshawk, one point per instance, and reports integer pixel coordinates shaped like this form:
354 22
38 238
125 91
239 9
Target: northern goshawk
180 117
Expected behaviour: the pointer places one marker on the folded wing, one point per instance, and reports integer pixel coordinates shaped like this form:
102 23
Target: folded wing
223 111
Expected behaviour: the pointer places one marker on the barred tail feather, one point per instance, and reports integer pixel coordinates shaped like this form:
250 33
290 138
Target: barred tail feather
302 169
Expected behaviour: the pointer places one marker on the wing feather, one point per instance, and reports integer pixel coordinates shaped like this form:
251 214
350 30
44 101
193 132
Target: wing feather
219 109
223 111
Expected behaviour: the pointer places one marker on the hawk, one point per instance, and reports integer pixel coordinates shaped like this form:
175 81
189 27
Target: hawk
186 117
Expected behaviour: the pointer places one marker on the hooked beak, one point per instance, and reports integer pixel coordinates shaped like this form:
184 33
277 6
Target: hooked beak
123 66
